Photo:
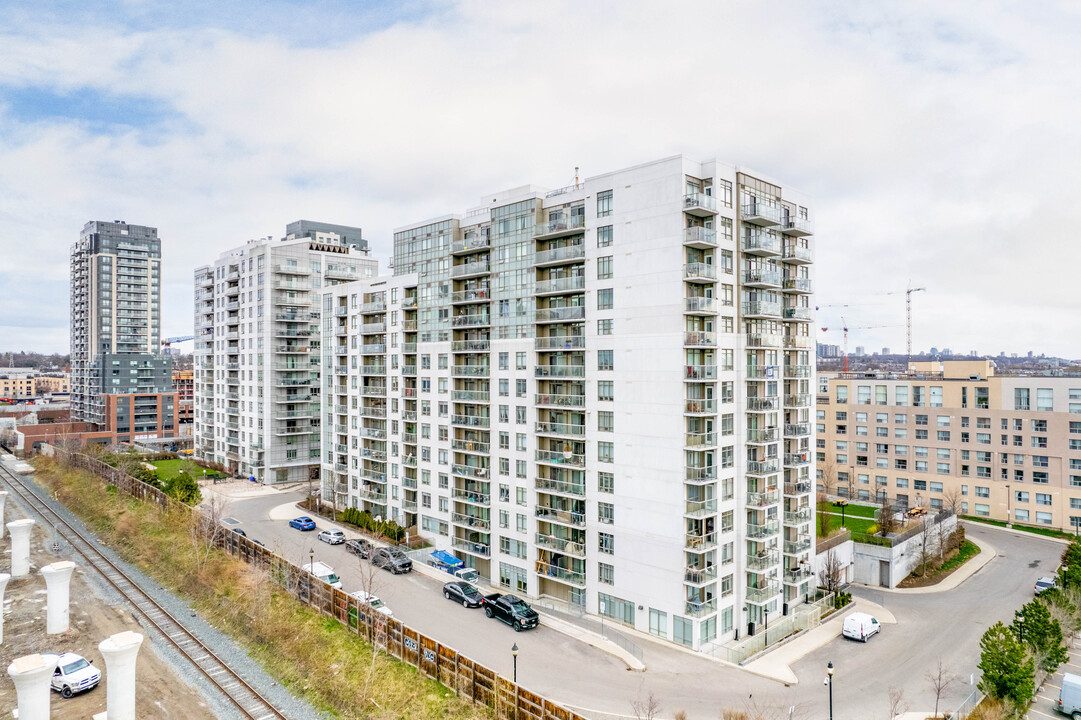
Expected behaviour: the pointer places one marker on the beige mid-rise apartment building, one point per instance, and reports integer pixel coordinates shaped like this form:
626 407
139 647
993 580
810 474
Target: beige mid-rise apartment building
955 435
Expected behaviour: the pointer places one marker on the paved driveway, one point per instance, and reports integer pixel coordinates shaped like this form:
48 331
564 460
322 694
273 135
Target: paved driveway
1047 696
930 626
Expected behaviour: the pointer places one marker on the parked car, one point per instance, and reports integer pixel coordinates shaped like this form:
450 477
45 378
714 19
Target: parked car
512 610
372 601
302 523
1044 583
74 674
860 626
362 548
462 592
325 573
333 536
393 559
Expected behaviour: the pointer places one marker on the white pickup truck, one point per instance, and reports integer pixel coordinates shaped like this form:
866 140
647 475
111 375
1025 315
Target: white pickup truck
74 674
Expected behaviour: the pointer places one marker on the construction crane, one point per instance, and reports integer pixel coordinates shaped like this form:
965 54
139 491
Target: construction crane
179 339
908 315
845 329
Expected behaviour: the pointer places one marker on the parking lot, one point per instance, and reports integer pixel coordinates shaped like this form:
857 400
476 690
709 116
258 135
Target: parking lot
1047 696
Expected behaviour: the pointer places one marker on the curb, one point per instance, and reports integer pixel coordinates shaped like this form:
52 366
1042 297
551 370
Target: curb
954 579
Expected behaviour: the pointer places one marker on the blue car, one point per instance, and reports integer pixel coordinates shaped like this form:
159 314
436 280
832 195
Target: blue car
302 523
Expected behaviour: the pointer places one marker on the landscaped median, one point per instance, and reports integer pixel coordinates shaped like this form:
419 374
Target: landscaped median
314 656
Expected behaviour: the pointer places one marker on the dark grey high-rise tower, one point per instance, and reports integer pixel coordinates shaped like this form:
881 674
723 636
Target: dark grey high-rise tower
115 316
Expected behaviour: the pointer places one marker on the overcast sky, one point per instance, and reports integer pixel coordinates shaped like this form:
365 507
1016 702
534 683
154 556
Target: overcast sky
940 140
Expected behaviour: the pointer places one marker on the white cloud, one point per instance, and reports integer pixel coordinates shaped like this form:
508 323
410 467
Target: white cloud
938 140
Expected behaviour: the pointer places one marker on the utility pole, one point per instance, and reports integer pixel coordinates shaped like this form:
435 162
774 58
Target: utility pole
908 317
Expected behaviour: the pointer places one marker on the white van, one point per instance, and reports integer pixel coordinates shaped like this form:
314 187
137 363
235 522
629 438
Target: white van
860 626
325 573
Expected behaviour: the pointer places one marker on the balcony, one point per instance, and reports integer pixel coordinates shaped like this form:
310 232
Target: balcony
768 279
763 560
798 575
549 428
470 370
798 227
550 485
468 245
476 320
700 272
553 457
763 467
409 370
798 314
698 475
700 237
760 595
375 306
700 508
700 372
560 371
760 532
561 574
555 256
373 496
764 340
700 608
797 255
550 400
291 270
560 545
470 471
700 440
762 214
560 285
470 396
762 436
761 244
797 488
470 346
699 576
470 269
794 547
760 309
700 406
800 286
409 460
473 548
796 459
762 404
477 295
803 515
700 543
470 446
477 421
797 429
699 339
557 227
763 499
797 371
699 306
699 204
472 521
373 328
560 342
801 400
564 517
560 314
409 505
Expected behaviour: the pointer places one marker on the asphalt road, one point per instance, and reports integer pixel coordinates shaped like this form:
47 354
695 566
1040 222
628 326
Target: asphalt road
929 626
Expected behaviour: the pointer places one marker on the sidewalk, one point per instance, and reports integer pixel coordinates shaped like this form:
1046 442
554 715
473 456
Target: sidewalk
776 664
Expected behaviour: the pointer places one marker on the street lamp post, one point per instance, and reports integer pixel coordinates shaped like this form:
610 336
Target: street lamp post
311 570
514 654
829 681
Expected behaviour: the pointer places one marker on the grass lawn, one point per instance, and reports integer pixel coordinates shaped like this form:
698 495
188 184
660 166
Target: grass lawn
855 524
169 468
1049 532
851 510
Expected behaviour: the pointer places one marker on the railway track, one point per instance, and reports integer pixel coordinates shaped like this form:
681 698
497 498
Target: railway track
245 698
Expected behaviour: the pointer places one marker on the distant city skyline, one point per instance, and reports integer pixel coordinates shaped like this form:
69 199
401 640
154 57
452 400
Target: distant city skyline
217 126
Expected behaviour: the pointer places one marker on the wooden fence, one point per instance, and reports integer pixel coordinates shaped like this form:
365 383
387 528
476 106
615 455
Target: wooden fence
508 700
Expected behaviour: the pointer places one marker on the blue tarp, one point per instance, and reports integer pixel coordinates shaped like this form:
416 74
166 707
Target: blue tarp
444 557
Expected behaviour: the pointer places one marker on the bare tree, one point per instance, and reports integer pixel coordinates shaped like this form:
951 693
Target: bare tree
206 528
646 709
825 519
898 705
829 476
832 572
887 522
375 622
941 679
952 499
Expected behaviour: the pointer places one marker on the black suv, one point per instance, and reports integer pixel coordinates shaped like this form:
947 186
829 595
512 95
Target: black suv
360 548
393 559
